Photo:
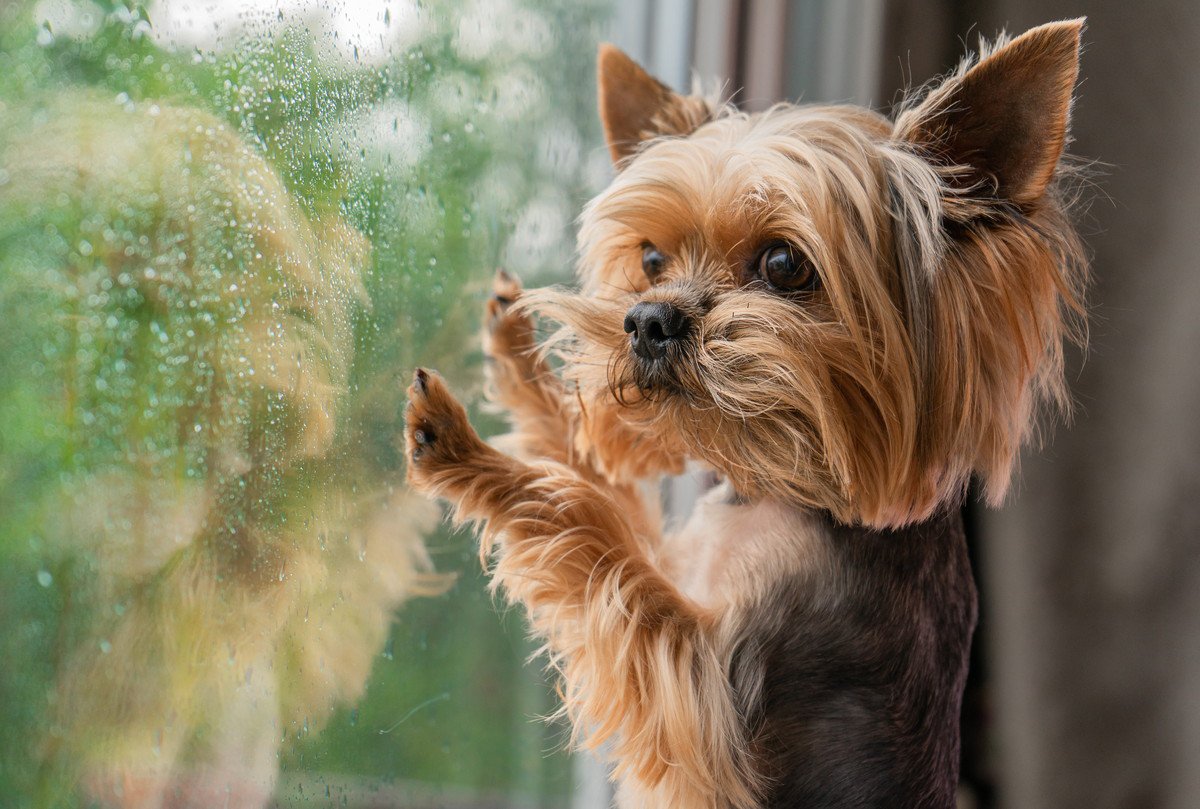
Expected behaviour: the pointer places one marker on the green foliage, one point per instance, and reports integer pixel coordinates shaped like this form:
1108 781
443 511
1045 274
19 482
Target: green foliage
218 266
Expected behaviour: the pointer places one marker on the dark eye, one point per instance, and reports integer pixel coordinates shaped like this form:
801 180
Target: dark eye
653 262
786 269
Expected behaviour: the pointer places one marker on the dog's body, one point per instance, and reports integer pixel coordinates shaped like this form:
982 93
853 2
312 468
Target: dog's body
849 665
862 672
843 318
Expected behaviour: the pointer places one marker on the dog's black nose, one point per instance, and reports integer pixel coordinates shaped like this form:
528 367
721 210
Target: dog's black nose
653 326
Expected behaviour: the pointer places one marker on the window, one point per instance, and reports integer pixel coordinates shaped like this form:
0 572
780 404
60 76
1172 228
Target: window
228 231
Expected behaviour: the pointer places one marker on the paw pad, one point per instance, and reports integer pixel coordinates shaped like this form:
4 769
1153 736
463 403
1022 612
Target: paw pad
436 426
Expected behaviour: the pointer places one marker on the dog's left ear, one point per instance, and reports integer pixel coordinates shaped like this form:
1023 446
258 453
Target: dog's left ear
1004 121
635 106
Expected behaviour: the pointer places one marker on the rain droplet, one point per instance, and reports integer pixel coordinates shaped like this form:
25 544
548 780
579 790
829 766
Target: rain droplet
44 578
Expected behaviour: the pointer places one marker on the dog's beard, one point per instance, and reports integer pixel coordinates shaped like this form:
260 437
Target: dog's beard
757 391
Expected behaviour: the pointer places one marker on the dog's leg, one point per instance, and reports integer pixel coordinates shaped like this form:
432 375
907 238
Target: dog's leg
640 663
520 381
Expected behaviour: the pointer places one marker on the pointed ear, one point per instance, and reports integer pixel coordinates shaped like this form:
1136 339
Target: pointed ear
1005 119
635 106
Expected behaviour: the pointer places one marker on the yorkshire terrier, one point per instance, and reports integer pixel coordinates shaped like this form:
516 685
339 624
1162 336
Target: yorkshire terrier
844 317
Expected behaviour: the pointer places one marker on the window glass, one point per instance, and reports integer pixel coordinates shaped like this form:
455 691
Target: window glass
228 231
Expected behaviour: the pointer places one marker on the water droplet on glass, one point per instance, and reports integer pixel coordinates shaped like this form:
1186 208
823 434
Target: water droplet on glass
44 578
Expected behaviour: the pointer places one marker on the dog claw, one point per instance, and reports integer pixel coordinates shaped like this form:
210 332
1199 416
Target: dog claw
436 429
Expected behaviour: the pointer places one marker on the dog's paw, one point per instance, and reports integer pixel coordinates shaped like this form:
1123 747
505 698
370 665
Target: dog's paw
437 433
506 288
507 332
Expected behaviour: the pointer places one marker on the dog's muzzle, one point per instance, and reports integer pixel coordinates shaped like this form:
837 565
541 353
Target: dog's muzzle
654 327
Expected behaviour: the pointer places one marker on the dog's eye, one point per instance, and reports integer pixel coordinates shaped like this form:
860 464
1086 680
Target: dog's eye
786 269
653 262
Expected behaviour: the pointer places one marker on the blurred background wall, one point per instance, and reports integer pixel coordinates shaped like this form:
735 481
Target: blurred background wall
1086 684
1093 570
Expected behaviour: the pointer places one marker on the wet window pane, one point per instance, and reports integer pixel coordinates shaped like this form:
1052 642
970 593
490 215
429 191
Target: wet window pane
228 231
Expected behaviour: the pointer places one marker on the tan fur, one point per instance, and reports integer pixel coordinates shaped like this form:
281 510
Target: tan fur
727 551
922 358
635 106
854 405
639 665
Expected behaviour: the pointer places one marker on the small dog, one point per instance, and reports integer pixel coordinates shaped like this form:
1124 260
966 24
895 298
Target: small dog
844 317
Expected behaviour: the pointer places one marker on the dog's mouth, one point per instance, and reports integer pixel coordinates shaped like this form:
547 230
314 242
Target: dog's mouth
655 376
637 377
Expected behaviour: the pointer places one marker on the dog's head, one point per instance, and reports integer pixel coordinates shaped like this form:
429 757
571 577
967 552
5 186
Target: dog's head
825 305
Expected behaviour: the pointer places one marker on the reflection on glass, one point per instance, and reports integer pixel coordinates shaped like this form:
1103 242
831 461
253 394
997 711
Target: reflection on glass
225 235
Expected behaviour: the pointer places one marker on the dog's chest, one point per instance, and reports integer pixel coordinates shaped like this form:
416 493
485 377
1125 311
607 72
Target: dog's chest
728 552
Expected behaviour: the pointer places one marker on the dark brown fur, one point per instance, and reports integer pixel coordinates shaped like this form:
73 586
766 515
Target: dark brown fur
861 676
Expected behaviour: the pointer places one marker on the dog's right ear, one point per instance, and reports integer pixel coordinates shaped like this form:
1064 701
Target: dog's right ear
635 106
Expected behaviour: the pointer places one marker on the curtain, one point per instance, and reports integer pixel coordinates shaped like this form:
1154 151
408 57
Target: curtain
1091 573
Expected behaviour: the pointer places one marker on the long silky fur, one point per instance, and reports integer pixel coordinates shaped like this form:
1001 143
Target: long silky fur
879 398
641 668
924 356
